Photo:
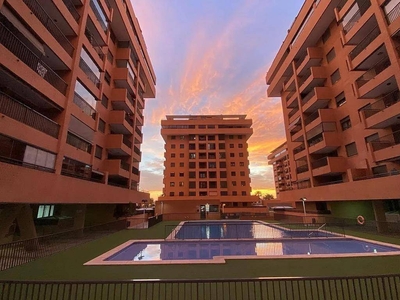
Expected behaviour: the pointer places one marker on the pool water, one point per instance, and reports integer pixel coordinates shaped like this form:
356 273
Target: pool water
201 250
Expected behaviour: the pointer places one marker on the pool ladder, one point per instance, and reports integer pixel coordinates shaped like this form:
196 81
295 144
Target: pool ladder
319 228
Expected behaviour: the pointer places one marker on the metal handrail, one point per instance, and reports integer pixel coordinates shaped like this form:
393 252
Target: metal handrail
386 141
127 142
72 9
79 143
382 103
90 74
48 22
24 114
94 43
350 24
369 38
373 71
319 163
86 108
392 15
19 49
125 166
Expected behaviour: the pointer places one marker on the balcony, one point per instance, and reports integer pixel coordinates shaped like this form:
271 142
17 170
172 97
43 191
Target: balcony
298 151
323 138
124 79
329 166
79 143
393 14
97 46
326 115
47 21
89 73
317 98
383 113
361 46
84 106
137 154
116 167
138 136
313 58
352 21
24 114
316 76
99 13
118 144
72 9
20 50
122 100
387 148
120 122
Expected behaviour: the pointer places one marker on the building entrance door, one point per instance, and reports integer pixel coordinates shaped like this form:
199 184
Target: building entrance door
202 212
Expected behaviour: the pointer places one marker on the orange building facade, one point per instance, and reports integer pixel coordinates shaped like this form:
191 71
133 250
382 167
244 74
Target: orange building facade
206 167
74 76
338 75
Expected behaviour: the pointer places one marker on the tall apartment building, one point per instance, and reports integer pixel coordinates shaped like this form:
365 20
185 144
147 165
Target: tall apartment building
206 166
280 160
74 75
338 75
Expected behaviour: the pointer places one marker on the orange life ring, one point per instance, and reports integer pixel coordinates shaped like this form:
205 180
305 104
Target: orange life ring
360 220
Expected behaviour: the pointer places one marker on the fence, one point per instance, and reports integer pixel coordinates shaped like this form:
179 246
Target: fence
21 252
383 287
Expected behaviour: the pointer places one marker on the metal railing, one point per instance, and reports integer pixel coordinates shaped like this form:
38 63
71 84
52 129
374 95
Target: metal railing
341 4
392 15
302 169
308 97
128 119
381 104
135 171
372 72
350 24
293 111
127 142
72 9
125 166
369 38
24 114
137 151
86 108
377 287
312 117
319 163
139 133
24 251
19 49
90 74
99 14
379 175
79 143
386 141
21 163
94 43
48 22
298 149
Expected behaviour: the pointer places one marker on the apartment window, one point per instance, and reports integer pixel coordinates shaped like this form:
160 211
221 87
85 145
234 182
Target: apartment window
244 193
172 184
221 137
211 146
99 13
102 126
232 163
45 211
331 55
222 155
231 137
181 164
222 164
240 137
335 76
181 194
98 153
173 137
340 99
192 193
242 173
241 164
212 165
202 126
192 184
240 145
110 57
104 101
181 183
172 174
221 146
211 137
224 184
172 194
222 174
192 155
234 193
345 123
107 77
85 100
241 154
192 165
181 137
173 146
202 194
181 174
351 149
233 173
172 164
203 184
224 193
326 35
231 154
192 146
231 146
233 183
181 155
89 67
203 174
181 146
172 155
192 174
243 183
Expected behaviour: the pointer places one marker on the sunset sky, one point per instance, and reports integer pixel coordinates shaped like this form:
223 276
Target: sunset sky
211 57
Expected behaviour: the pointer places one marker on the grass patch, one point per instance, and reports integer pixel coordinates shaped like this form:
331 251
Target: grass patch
68 264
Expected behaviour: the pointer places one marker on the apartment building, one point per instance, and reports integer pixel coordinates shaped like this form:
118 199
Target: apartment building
74 76
279 159
206 168
338 75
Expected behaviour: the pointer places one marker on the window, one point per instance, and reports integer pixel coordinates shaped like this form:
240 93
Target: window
335 76
351 149
173 146
222 164
182 137
211 146
192 193
181 164
224 193
203 174
172 155
192 155
45 211
243 183
172 174
231 137
371 138
242 173
203 184
192 174
172 184
241 154
172 164
233 183
212 165
326 35
110 57
192 184
107 77
171 194
233 173
231 154
214 208
221 137
240 145
181 174
241 164
181 146
102 126
98 153
244 193
202 194
232 163
234 193
340 99
192 146
211 137
331 55
181 194
173 137
181 183
345 123
181 155
222 174
231 146
222 155
224 184
104 101
221 146
192 165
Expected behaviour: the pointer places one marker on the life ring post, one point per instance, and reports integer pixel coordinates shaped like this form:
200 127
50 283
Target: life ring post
360 220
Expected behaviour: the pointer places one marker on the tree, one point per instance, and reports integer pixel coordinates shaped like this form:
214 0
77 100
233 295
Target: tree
258 194
268 197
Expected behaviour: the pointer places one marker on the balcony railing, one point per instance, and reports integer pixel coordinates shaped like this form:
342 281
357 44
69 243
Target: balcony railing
319 163
386 141
301 169
298 149
383 103
372 35
138 132
72 9
307 97
24 114
311 118
293 111
91 76
128 119
127 142
47 21
94 43
79 143
374 71
392 15
137 151
19 49
99 14
86 108
125 166
135 171
341 4
350 24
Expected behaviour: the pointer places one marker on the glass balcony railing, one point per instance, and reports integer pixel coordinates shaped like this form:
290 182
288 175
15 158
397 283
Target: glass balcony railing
298 149
79 143
90 74
24 114
94 43
19 49
125 166
383 103
386 141
374 33
86 108
372 72
127 142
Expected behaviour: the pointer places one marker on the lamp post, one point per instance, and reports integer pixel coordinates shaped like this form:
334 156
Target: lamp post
304 206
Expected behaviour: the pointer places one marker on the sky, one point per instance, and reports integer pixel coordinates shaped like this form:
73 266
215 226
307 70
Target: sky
211 57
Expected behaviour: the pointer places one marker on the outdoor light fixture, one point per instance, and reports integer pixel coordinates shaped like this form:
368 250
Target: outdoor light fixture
303 199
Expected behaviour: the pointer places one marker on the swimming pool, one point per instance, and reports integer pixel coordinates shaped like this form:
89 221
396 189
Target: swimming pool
241 230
